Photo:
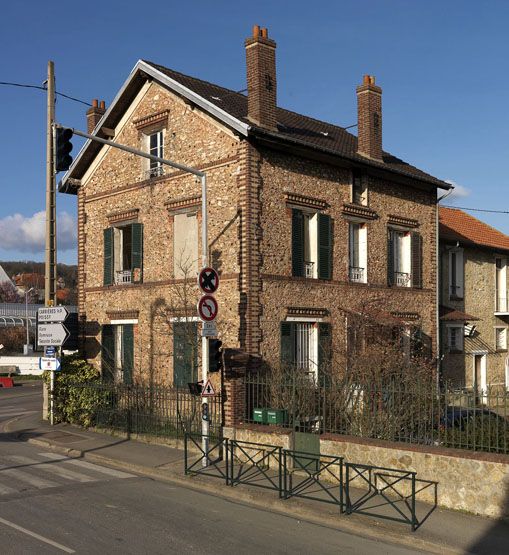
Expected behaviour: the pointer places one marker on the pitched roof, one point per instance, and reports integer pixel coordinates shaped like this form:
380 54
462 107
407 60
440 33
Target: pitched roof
296 127
457 225
231 107
452 315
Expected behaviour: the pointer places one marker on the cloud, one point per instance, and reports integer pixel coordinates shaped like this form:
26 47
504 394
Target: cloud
459 192
27 234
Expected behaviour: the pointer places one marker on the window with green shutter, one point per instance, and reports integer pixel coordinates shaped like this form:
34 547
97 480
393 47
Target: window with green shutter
137 252
108 256
324 246
297 243
107 353
416 260
288 354
127 353
311 244
185 353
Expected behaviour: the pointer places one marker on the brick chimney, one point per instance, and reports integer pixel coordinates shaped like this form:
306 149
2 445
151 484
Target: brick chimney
369 118
94 114
261 79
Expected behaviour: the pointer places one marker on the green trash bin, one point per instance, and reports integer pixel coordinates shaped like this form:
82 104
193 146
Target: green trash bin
277 416
260 415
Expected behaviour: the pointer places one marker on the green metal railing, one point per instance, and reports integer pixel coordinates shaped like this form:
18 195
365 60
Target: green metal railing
414 413
135 409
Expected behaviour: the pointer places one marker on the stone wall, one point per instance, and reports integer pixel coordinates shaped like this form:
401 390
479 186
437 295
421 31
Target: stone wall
466 481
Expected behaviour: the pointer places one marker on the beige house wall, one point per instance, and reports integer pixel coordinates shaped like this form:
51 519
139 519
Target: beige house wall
478 301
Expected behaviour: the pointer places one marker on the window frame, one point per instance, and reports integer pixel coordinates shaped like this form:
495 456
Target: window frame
357 273
153 168
498 329
460 331
456 277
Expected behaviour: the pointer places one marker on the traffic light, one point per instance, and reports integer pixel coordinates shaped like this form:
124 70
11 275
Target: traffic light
63 149
215 355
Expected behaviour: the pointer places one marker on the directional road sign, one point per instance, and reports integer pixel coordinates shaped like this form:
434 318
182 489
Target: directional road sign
49 351
49 363
207 308
208 280
52 314
208 390
51 334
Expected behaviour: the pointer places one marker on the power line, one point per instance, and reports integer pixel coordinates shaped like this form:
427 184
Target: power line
476 209
7 83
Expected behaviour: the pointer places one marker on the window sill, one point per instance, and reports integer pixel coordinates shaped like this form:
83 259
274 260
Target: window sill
501 350
455 298
455 352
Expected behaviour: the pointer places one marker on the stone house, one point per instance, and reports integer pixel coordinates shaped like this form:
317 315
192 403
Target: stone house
473 297
306 221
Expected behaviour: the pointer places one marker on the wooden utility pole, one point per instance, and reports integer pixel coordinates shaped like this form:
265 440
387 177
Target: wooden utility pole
50 277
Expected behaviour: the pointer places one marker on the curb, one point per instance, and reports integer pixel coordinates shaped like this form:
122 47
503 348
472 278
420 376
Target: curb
373 529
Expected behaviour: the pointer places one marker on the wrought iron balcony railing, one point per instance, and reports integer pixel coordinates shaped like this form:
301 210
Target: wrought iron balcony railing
356 274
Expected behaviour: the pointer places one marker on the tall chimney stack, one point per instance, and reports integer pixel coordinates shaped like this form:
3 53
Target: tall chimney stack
94 114
369 119
261 79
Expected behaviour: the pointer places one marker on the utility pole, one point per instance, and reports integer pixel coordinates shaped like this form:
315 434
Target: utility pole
51 223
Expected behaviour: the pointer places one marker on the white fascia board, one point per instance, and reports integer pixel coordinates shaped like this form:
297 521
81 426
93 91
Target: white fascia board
203 103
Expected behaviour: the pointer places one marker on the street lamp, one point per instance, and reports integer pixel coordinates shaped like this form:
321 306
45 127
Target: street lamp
26 318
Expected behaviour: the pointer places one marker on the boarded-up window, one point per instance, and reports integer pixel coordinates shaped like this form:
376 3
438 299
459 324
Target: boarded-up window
185 245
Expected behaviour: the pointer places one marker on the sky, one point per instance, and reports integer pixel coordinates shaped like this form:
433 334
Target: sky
442 66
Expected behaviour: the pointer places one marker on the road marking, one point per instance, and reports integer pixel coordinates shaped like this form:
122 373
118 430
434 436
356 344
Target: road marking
37 536
87 465
22 476
53 468
13 412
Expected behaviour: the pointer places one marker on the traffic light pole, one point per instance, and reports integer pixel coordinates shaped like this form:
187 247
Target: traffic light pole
50 268
205 260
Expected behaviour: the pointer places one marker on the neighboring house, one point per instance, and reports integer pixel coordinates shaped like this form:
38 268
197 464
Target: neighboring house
474 305
306 221
4 278
32 280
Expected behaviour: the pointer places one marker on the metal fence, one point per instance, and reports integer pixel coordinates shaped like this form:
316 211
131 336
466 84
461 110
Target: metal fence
412 412
136 409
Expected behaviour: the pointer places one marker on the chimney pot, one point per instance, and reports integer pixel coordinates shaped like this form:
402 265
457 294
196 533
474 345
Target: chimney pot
265 34
256 31
366 80
95 103
102 105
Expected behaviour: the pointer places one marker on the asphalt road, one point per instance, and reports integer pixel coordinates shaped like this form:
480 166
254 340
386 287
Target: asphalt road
52 504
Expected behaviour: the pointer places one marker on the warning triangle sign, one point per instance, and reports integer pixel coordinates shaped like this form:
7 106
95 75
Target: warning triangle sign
208 390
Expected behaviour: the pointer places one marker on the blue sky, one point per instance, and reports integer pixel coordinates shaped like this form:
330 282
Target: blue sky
442 66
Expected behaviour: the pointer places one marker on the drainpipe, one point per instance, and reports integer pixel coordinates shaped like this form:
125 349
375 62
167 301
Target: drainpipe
438 285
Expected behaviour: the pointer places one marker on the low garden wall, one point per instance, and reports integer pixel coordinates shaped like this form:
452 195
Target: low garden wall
469 481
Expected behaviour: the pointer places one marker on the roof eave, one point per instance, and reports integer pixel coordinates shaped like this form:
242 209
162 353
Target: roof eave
257 132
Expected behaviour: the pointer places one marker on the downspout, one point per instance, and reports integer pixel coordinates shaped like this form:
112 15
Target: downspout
438 286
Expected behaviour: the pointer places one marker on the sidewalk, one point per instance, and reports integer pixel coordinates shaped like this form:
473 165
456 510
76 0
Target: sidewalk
443 532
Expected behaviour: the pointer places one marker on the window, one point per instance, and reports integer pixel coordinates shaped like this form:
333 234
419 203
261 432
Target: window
357 253
185 245
404 264
501 339
185 353
117 353
501 304
306 346
456 273
155 146
311 244
455 338
123 254
359 188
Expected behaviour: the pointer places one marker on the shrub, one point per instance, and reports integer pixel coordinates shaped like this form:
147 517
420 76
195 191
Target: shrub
78 392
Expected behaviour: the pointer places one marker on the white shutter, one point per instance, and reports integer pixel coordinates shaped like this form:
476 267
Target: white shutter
363 251
459 274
